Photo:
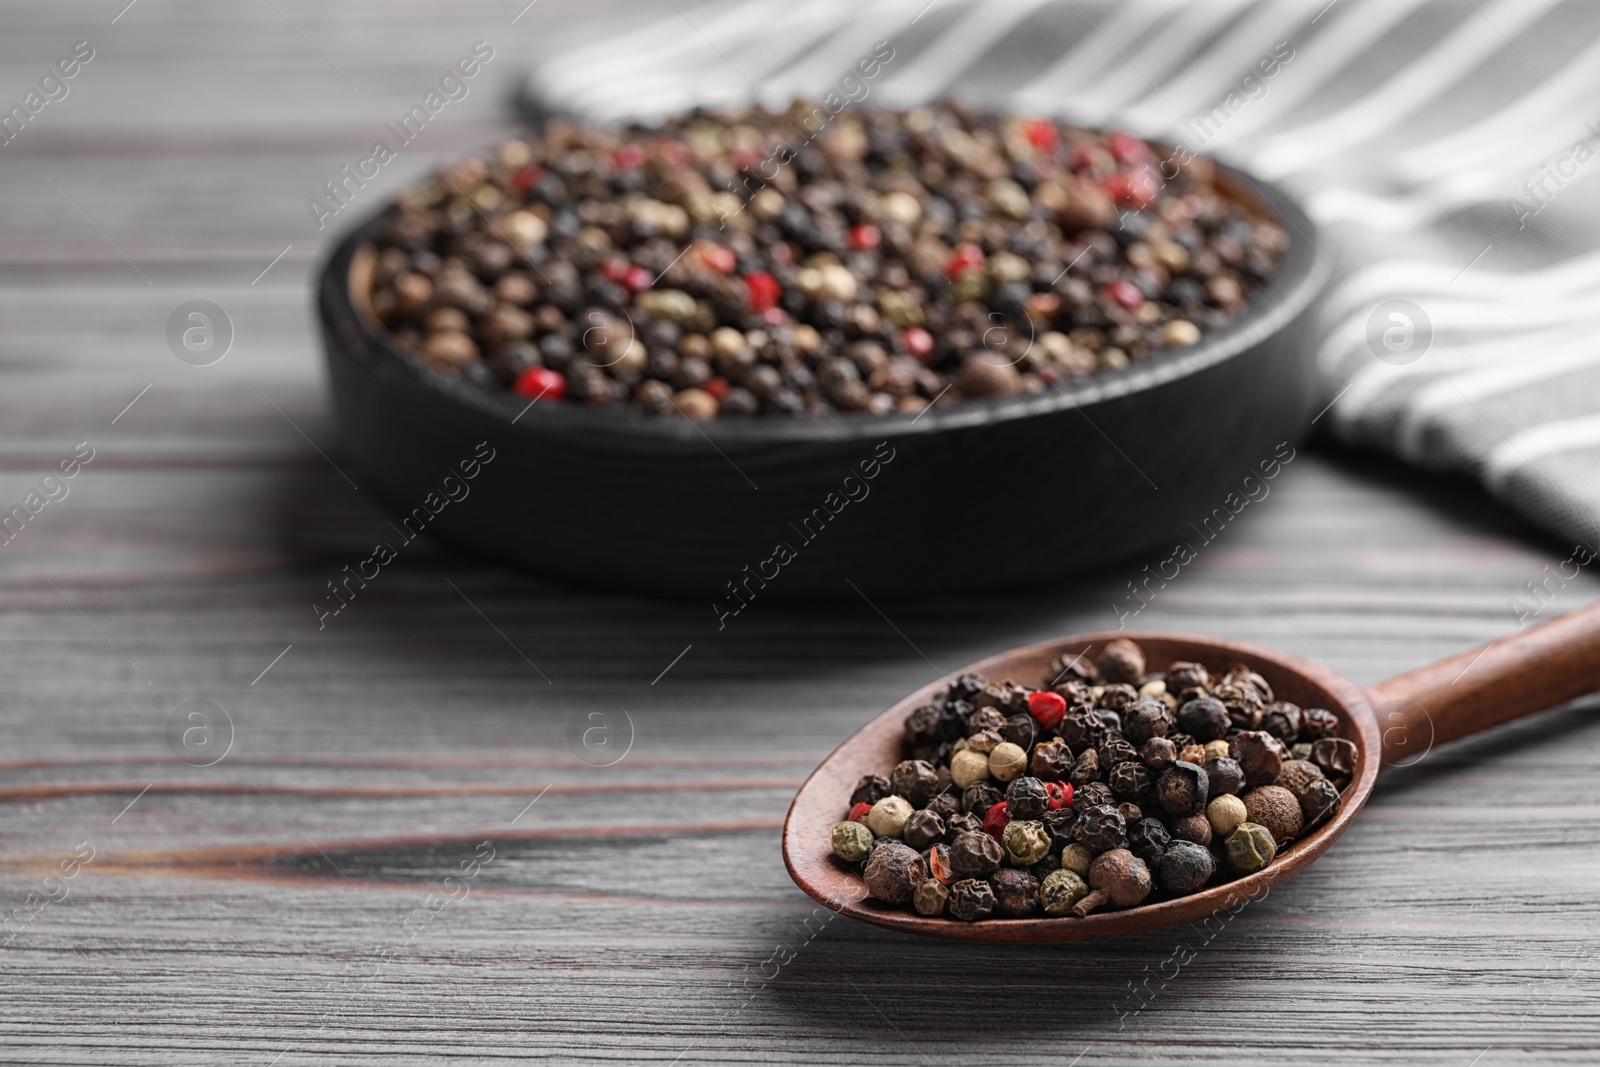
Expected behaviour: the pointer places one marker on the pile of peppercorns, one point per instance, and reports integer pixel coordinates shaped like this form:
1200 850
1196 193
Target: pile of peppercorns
1109 786
757 262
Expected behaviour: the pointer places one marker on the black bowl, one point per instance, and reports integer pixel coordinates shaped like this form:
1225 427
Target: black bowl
978 495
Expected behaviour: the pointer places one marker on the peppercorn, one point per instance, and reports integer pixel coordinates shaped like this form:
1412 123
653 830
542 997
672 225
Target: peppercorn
1048 864
1282 720
1016 893
938 860
1114 750
1181 675
1146 718
1148 839
1319 803
1196 828
1260 756
985 741
922 725
1317 723
1185 867
1130 780
1047 708
1182 788
1101 828
945 805
930 897
971 900
914 780
1244 703
1061 890
1082 728
986 718
1058 823
1300 750
1021 731
893 872
1335 755
851 841
1275 808
995 820
1025 842
1250 847
1223 775
975 855
1058 794
871 789
1206 718
1117 696
979 798
888 816
1091 795
1051 760
1121 876
923 829
1216 750
968 767
1026 798
1008 761
1158 753
964 823
858 812
1297 774
1121 661
1225 813
1086 768
1131 813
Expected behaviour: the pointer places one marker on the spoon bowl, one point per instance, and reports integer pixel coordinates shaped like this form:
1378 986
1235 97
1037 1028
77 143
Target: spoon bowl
1392 723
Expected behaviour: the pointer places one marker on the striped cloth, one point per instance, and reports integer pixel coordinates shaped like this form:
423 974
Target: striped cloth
1447 147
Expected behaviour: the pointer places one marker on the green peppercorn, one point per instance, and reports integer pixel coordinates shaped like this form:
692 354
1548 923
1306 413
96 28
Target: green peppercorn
1250 847
1061 890
1025 841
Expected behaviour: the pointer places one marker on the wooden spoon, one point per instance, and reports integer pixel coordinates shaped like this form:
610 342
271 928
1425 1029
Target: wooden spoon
1392 723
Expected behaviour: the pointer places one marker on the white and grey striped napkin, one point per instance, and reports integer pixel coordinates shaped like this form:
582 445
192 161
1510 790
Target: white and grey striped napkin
1448 148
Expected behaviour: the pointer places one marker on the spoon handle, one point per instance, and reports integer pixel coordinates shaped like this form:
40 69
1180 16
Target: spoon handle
1522 673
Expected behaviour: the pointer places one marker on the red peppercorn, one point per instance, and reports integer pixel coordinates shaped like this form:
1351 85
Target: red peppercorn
1047 708
1085 157
995 819
966 257
637 279
1134 188
866 237
717 387
775 317
719 258
918 342
674 153
540 383
1128 148
763 288
1060 794
628 157
1042 134
1125 293
858 812
615 270
939 864
526 178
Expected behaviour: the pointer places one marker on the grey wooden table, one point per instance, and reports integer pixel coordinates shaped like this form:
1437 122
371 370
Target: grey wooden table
402 858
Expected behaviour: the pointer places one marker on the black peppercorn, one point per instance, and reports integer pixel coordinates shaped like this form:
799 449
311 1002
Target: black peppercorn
1016 893
1224 775
1100 828
1130 780
945 805
978 799
975 855
1114 750
915 780
1260 756
922 725
1243 702
1335 755
1020 730
1184 867
1081 728
1182 789
1086 768
1182 675
1051 760
893 872
1073 666
871 789
971 900
1148 839
1317 723
1205 718
1121 661
1117 697
1026 798
1058 823
1282 720
965 823
1131 812
1091 795
1319 803
1158 753
1145 719
966 687
1196 828
923 829
1297 774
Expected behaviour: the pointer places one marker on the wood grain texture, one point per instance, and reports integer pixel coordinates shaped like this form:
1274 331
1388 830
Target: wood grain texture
289 904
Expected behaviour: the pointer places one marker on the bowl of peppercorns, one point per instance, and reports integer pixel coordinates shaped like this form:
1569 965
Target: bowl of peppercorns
765 353
1125 784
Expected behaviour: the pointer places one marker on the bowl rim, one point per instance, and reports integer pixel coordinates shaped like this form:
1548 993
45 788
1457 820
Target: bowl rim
1302 273
817 803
